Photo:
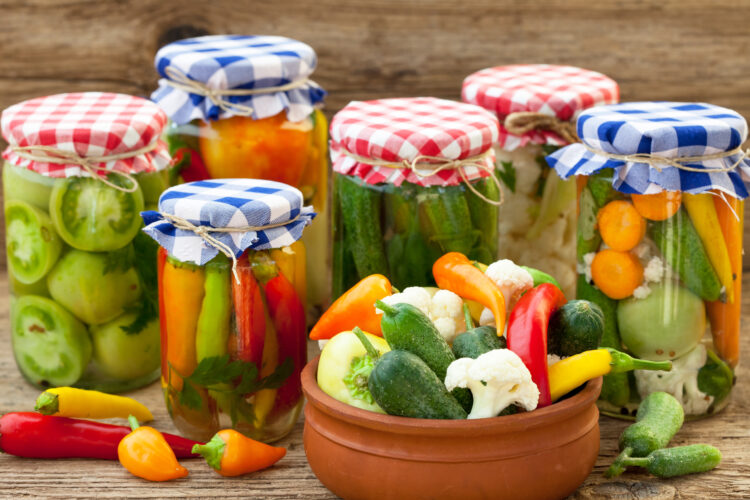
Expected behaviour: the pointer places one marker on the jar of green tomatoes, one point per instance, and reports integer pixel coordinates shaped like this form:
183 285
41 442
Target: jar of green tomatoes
660 196
78 171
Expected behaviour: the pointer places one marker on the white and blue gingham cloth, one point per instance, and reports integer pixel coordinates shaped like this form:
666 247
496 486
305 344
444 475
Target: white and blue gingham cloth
238 62
227 203
667 129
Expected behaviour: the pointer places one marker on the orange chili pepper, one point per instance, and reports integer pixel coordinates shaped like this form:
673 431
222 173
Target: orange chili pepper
725 317
356 307
145 453
455 272
232 454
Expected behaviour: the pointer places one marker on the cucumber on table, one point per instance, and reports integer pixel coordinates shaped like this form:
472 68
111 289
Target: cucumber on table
678 461
402 384
679 243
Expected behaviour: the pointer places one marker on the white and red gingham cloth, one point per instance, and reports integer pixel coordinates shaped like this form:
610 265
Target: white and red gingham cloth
407 128
87 124
560 91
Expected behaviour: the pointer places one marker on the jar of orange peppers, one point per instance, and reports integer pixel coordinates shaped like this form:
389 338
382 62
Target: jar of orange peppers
231 273
244 106
660 196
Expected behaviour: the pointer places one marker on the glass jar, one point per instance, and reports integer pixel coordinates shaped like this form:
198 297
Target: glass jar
535 103
396 215
233 334
82 275
273 132
665 266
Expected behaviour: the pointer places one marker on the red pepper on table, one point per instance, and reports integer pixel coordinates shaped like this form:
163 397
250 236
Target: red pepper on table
250 316
288 315
33 435
527 333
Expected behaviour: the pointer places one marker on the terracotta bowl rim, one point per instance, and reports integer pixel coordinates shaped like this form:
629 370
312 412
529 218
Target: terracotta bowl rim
519 422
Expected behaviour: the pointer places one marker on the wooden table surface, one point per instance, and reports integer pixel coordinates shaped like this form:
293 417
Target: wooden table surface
292 478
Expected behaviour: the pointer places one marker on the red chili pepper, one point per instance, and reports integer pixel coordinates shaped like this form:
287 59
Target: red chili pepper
33 435
161 259
527 333
288 316
250 316
190 165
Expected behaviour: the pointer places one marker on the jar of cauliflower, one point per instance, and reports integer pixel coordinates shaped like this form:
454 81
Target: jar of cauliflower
535 104
660 244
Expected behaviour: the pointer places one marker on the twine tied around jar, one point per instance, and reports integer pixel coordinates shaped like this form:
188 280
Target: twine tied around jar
179 80
657 161
204 232
522 122
426 166
50 154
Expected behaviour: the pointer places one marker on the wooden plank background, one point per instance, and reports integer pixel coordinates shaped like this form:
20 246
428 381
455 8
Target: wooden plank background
655 49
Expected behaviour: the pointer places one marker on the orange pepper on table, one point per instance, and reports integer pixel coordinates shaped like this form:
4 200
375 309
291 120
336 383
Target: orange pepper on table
356 307
232 454
182 297
725 317
455 272
146 454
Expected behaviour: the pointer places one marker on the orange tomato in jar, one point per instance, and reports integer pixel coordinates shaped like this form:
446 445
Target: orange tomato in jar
270 148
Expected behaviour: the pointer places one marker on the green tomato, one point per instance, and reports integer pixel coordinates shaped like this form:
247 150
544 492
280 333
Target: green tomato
126 356
94 286
18 288
52 348
32 244
152 185
665 325
91 216
22 184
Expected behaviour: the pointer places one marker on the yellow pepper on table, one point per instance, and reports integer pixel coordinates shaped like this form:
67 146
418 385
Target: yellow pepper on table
82 403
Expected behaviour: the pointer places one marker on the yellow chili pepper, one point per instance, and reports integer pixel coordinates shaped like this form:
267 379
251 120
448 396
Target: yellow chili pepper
81 403
264 399
569 373
291 261
145 453
702 212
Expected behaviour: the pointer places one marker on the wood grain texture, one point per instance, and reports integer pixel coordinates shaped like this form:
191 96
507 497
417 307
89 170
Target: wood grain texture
656 49
292 477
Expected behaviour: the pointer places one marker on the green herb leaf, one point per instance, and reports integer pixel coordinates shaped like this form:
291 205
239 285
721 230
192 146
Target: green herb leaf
507 173
119 260
216 370
715 378
144 259
190 397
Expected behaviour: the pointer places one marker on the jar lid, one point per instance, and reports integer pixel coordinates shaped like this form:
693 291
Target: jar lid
397 140
197 220
215 77
556 91
67 135
656 146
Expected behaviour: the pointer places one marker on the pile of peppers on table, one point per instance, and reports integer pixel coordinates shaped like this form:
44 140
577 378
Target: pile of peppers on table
536 312
57 430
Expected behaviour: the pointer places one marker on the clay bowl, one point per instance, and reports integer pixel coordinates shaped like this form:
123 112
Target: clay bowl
358 454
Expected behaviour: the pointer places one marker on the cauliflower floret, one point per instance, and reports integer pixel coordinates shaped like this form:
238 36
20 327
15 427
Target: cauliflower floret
444 309
512 280
642 291
486 318
654 270
552 359
497 379
585 267
681 382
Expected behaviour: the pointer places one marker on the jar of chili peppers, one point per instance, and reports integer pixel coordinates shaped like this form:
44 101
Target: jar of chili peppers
660 195
78 170
537 105
231 276
414 180
245 107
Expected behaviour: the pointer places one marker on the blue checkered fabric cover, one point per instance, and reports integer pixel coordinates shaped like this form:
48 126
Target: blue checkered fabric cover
668 129
228 203
238 62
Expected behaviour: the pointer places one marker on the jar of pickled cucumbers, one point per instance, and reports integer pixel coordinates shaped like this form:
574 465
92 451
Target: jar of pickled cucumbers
244 106
660 196
231 273
536 105
413 180
78 170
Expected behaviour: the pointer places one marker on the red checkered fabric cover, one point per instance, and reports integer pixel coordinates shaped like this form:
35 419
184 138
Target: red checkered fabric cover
403 129
561 91
88 124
